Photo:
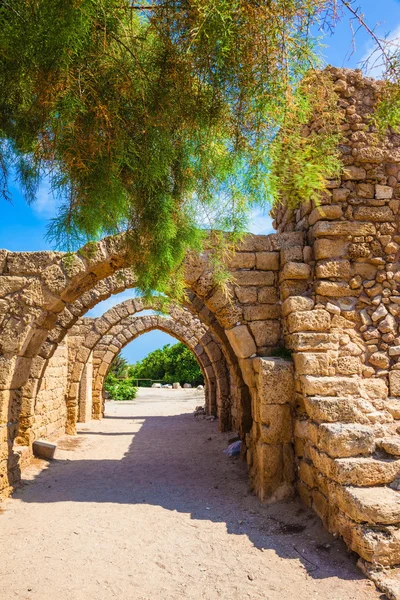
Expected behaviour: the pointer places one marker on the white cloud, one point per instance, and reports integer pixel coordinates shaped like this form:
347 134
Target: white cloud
260 223
45 204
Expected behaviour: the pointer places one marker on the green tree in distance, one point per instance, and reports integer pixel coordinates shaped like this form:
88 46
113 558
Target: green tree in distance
119 366
169 364
117 384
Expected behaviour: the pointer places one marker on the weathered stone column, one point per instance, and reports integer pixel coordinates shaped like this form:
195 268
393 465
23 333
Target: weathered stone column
85 392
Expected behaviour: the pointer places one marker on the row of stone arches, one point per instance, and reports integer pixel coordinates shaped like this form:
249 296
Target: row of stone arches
119 327
325 286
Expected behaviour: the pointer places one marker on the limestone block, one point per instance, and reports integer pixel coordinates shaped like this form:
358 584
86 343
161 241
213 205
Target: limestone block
374 389
246 295
347 365
339 268
388 325
267 261
383 192
331 409
391 445
267 295
353 173
393 406
276 423
268 471
330 386
54 278
330 248
286 240
217 300
293 254
359 250
44 449
296 303
359 471
255 243
272 471
365 190
379 214
376 545
307 474
375 505
229 315
7 366
275 381
308 363
266 333
343 440
309 320
293 287
342 228
261 311
248 373
241 341
334 289
394 383
325 211
294 270
258 278
340 194
242 260
379 359
312 341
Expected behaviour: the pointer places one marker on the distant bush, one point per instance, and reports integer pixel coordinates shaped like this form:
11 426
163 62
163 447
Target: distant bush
169 364
120 389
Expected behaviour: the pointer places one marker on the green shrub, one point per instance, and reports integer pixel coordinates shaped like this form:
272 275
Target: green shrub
168 364
120 389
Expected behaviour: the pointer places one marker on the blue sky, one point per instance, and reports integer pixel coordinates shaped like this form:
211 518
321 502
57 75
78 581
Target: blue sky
23 227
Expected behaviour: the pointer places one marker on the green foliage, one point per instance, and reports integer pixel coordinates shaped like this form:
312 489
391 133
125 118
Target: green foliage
119 366
160 118
120 389
303 159
169 364
388 109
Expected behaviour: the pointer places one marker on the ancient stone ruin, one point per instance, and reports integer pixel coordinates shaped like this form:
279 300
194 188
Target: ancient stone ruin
324 425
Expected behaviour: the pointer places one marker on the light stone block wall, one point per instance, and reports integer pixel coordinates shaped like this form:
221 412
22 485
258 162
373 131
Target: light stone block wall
85 392
344 333
50 406
326 286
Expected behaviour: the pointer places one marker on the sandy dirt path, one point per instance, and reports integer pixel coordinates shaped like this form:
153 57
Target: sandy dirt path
144 505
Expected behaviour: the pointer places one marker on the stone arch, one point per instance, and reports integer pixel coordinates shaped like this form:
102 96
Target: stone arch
70 316
87 333
339 299
132 327
245 325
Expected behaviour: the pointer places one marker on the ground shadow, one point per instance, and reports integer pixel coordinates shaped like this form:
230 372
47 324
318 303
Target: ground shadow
177 462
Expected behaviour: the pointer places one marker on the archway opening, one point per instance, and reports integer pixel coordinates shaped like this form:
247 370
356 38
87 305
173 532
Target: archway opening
123 366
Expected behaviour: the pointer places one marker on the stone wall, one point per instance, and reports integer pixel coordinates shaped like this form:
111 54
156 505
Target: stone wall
85 392
344 334
50 408
326 287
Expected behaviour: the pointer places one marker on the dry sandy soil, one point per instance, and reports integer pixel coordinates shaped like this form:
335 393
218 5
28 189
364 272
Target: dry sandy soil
144 505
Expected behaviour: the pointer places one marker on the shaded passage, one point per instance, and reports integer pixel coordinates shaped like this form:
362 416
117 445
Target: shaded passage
145 505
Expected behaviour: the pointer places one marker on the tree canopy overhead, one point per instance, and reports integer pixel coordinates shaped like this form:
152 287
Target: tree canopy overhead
158 117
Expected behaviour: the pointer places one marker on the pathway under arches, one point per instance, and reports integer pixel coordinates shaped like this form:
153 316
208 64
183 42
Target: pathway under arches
210 363
87 333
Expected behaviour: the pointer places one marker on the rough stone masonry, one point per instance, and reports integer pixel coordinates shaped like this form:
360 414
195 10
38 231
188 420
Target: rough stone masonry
326 286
